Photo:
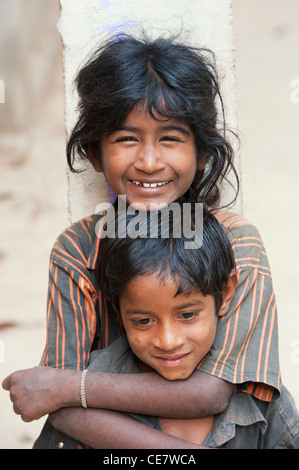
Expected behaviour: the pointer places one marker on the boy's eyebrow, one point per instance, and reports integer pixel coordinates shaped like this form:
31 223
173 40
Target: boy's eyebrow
136 311
192 303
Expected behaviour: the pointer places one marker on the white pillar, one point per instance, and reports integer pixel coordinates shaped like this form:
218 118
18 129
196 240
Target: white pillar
82 24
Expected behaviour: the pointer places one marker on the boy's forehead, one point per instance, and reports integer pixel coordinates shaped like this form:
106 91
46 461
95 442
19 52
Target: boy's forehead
152 286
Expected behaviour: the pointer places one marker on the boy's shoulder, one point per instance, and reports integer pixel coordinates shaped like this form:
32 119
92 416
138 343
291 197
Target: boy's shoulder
250 423
282 418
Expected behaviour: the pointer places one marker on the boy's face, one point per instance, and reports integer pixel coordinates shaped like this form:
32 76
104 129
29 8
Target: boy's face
170 333
149 161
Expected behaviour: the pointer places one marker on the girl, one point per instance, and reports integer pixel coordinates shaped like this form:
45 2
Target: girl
148 121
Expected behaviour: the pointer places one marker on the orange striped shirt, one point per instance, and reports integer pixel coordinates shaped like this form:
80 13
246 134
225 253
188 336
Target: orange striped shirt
79 320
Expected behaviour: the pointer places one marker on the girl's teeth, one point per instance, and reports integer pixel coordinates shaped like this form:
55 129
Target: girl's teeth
149 185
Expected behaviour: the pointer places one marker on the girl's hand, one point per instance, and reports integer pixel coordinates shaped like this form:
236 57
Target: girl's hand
42 390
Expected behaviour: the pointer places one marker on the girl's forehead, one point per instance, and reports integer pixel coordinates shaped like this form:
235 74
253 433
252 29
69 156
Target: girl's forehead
141 113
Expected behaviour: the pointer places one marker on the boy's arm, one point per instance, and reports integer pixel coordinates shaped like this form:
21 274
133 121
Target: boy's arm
106 429
42 390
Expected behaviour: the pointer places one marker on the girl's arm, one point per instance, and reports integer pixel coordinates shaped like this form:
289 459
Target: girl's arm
206 394
199 395
102 429
42 390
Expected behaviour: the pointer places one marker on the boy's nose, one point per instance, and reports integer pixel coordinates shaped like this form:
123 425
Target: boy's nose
149 160
168 339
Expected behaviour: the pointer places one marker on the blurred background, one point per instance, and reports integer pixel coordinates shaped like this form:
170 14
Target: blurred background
33 183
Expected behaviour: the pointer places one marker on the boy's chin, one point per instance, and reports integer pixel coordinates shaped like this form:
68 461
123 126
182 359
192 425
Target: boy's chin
175 375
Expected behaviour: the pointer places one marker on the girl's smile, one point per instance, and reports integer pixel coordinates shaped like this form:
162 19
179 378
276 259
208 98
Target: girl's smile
149 160
150 185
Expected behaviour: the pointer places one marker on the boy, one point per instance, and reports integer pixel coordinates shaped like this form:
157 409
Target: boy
170 300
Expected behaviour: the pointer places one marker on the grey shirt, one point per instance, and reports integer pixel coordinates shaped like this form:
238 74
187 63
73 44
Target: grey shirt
247 423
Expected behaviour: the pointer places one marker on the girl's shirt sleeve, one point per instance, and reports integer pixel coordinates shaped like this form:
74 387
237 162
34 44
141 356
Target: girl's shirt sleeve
78 319
245 350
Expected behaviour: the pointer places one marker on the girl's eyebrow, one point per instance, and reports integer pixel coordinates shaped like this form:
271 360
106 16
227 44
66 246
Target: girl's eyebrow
126 128
176 127
167 128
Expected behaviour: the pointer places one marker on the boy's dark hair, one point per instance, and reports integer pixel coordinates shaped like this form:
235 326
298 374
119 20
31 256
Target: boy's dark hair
168 78
207 268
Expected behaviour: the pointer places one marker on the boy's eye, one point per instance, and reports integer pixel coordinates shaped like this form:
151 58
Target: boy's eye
142 322
189 315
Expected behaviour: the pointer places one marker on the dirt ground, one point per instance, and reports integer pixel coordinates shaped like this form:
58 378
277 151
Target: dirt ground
33 191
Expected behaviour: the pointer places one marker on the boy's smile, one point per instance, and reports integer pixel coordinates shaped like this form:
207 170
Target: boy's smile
170 333
147 160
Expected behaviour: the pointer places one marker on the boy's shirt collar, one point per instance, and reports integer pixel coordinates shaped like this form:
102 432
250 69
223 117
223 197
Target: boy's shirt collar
241 411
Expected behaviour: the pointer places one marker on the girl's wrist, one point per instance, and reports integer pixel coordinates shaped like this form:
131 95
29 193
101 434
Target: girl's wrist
68 388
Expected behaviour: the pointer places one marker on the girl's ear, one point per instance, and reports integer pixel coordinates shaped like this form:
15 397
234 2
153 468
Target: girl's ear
228 292
96 164
202 161
93 156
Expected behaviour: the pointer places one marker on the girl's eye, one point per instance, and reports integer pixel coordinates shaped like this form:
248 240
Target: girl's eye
125 139
170 139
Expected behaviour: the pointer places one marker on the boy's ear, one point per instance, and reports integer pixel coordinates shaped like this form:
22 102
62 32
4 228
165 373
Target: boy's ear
228 292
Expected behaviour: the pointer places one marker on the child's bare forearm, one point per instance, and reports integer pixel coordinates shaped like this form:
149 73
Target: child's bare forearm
43 390
199 395
102 429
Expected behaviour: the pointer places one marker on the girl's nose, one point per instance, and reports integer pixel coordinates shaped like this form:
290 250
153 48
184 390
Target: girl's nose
149 160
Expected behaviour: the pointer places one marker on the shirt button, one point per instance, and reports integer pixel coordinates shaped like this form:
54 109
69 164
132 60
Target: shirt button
60 445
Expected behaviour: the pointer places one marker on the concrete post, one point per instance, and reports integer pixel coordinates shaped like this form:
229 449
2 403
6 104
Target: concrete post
206 23
26 62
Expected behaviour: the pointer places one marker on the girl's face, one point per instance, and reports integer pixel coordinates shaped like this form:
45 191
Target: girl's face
149 161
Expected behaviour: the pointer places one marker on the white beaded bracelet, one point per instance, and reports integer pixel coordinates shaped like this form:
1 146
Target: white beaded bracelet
82 389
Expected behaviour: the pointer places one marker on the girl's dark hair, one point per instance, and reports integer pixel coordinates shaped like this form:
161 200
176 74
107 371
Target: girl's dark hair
206 267
170 79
